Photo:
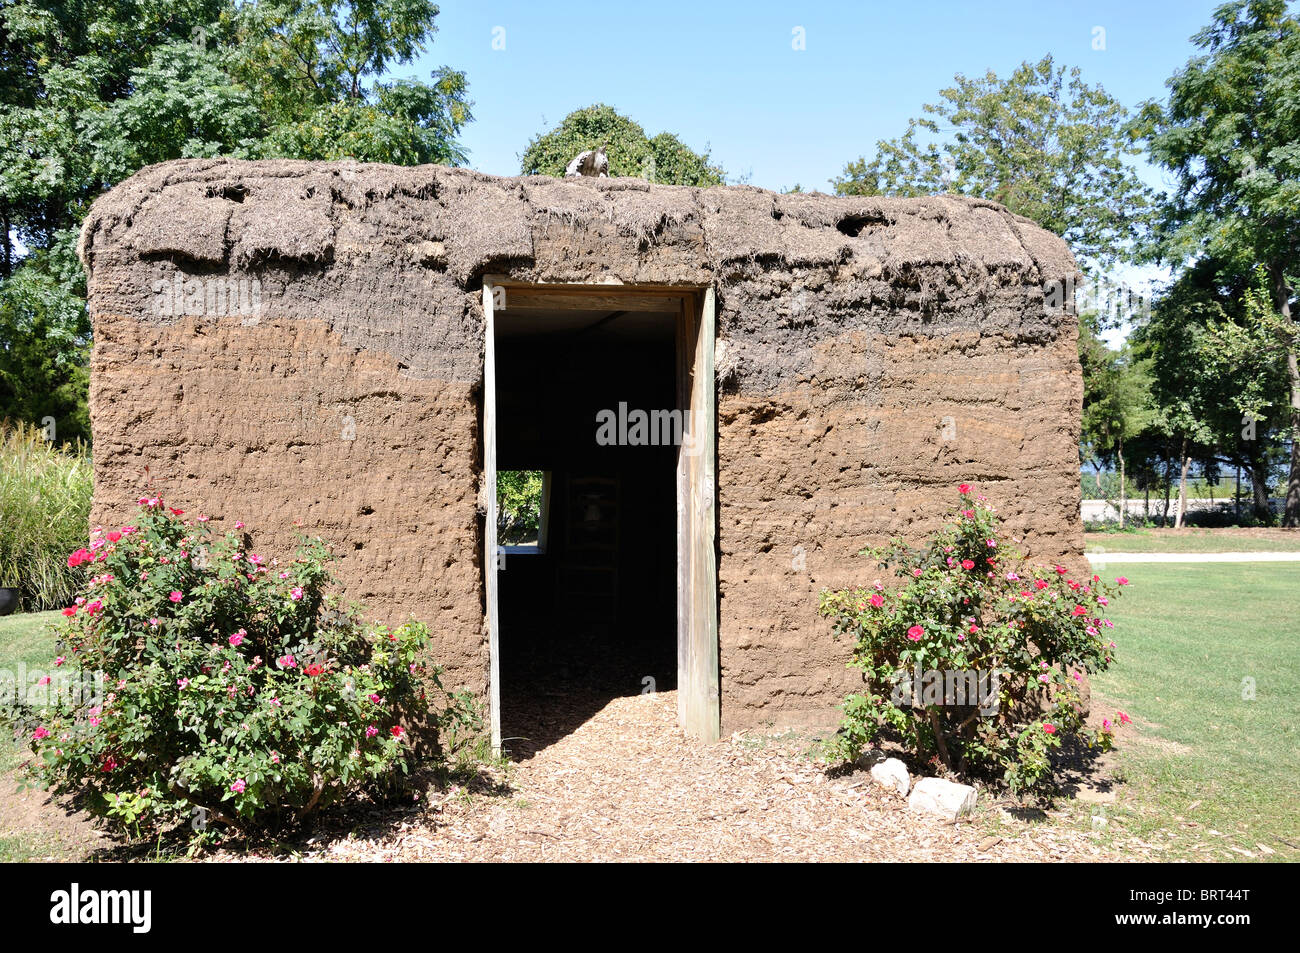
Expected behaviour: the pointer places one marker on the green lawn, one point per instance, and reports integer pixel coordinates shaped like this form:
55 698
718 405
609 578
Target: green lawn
1208 765
1191 540
24 639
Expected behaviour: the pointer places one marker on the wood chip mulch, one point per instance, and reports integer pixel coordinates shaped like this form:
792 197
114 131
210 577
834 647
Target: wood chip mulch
626 785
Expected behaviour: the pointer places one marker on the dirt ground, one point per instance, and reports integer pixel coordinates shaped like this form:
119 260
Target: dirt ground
42 829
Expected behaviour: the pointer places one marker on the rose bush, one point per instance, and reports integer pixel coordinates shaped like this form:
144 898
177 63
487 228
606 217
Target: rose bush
970 608
236 692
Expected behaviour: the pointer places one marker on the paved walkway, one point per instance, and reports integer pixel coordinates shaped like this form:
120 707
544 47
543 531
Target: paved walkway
1109 557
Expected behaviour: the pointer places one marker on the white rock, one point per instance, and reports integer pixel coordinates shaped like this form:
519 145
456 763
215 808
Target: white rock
892 774
946 799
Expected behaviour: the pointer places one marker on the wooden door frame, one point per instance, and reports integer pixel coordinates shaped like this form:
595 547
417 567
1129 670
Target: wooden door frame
698 674
699 710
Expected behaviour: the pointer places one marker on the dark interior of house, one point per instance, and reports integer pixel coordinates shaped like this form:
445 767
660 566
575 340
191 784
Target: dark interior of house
590 614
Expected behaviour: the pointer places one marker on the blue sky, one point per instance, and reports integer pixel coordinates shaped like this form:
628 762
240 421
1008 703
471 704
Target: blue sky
725 75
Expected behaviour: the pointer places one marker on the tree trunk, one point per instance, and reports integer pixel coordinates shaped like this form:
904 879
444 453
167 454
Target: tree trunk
1182 486
1259 490
1282 301
1291 512
1236 499
7 264
1123 495
1169 482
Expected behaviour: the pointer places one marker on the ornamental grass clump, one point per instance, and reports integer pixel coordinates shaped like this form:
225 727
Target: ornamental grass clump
44 512
977 658
236 695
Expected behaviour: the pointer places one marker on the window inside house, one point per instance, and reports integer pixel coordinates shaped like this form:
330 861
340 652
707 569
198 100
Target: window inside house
523 498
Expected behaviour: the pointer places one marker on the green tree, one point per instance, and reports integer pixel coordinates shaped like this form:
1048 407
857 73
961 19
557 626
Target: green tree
94 91
663 158
519 505
1041 141
1211 374
1240 343
1228 133
1117 404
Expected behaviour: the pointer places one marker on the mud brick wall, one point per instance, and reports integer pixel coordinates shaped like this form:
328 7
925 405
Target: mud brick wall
872 353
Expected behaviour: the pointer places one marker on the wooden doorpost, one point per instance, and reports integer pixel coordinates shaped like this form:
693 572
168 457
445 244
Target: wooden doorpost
490 548
699 709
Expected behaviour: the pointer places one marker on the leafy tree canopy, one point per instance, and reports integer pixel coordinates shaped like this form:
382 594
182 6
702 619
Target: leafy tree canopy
663 158
93 90
1041 141
1228 134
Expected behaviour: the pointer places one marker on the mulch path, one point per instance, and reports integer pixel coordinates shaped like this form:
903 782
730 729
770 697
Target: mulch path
625 785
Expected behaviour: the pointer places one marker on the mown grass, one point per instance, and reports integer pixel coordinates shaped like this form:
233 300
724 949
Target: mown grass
44 516
1190 540
25 640
1206 761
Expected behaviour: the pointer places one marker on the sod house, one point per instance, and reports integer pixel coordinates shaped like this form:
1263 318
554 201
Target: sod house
727 393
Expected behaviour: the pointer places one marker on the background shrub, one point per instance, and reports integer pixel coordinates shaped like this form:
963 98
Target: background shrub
44 515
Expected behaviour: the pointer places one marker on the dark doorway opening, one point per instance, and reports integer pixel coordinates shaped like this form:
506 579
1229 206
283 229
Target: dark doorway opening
591 613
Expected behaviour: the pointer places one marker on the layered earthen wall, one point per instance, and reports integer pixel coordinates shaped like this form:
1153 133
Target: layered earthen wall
872 353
